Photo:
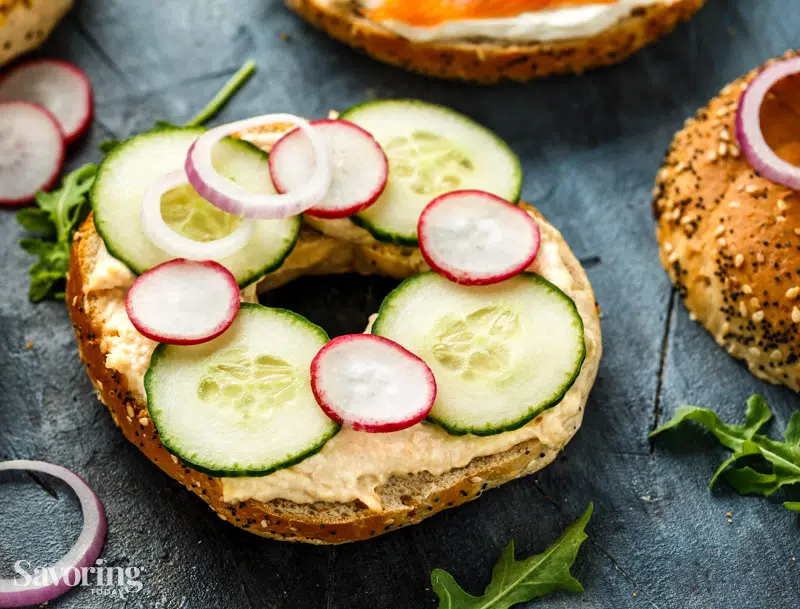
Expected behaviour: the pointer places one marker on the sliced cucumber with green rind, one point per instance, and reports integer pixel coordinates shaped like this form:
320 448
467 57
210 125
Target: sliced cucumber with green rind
133 165
431 150
241 404
501 354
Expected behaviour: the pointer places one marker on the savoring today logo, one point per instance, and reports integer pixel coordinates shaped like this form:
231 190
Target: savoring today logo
102 580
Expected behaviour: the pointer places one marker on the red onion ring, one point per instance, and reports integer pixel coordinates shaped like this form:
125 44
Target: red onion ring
83 554
232 198
748 126
164 238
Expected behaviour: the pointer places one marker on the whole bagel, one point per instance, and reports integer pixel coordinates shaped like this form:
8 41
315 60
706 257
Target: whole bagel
730 239
25 24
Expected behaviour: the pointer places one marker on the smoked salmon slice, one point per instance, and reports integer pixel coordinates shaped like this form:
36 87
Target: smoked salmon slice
427 13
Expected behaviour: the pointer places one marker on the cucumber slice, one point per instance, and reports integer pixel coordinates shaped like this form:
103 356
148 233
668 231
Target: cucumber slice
241 404
501 354
432 150
127 171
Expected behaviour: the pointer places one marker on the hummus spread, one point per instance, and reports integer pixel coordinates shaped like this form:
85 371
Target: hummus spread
353 464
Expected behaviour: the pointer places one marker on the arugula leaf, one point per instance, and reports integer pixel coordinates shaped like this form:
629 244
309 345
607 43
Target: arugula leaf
745 441
54 222
520 581
792 505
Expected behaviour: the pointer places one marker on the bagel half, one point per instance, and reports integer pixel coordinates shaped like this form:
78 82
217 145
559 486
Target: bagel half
730 241
25 24
405 499
490 61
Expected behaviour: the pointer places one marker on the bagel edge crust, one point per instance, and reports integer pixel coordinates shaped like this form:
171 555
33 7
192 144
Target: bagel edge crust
493 61
729 240
318 523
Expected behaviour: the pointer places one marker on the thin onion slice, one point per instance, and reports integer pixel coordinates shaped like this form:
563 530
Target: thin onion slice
163 237
84 553
748 126
232 198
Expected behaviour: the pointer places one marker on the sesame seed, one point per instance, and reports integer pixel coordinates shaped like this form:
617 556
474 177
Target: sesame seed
735 152
747 289
793 292
174 459
724 135
758 316
722 112
144 421
720 230
264 523
667 247
754 351
740 188
712 156
738 261
797 232
130 412
734 204
722 242
795 315
776 355
760 257
782 204
723 149
686 219
673 257
755 303
743 308
751 188
780 218
680 167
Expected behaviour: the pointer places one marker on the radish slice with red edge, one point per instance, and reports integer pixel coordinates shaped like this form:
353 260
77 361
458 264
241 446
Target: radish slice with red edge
748 125
31 151
83 554
359 164
57 85
473 237
370 383
165 238
232 198
183 302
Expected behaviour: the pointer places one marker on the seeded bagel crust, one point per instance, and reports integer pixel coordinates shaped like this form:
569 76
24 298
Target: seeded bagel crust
25 24
490 61
406 499
730 241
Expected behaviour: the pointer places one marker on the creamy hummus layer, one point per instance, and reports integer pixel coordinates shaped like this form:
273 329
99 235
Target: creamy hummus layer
537 26
352 465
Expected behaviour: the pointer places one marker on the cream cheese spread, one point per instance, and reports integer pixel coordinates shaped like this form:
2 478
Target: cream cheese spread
353 464
538 26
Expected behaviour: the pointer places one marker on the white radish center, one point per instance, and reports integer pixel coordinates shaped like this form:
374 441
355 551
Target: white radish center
30 150
371 382
184 301
476 235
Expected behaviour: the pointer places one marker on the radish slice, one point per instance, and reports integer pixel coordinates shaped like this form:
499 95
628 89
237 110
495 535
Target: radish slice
58 86
476 238
31 151
232 198
66 572
748 126
360 167
183 302
163 237
371 383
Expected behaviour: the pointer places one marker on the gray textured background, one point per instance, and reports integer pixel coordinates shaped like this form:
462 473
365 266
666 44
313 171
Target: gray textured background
590 147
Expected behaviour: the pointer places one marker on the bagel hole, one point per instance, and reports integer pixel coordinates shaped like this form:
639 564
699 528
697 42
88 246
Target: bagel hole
341 304
780 119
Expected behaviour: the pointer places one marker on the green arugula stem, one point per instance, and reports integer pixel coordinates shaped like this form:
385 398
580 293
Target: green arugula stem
220 99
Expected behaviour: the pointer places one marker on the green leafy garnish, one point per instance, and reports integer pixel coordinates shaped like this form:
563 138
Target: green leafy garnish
53 223
781 460
792 505
520 581
59 213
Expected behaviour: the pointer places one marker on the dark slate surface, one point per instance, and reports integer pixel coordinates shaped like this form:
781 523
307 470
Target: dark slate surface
590 147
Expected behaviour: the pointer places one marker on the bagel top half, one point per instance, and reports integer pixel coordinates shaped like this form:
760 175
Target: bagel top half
336 495
25 24
730 239
519 43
